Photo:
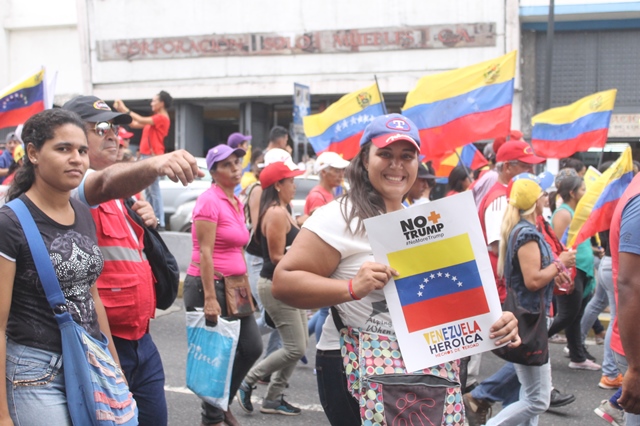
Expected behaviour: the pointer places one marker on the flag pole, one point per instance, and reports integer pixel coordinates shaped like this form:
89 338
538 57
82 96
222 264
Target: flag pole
384 106
600 157
463 165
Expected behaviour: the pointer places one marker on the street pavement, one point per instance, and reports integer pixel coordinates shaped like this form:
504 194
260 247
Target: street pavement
169 333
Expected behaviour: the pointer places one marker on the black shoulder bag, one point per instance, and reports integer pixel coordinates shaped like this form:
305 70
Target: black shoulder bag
532 326
163 264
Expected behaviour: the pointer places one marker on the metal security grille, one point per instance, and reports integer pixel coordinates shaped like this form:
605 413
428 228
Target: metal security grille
585 62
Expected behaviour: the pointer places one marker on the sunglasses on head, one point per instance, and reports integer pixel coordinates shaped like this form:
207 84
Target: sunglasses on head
103 127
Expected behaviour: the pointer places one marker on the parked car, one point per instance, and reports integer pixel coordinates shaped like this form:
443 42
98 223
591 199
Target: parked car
181 219
174 194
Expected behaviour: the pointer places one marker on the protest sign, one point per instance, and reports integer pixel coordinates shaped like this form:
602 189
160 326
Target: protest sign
445 299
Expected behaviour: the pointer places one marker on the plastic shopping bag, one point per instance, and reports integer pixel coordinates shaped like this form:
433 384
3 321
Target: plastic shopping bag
212 351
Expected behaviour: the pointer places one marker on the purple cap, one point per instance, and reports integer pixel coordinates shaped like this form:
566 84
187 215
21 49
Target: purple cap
387 129
221 152
235 139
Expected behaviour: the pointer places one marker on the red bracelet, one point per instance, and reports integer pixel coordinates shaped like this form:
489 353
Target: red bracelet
351 292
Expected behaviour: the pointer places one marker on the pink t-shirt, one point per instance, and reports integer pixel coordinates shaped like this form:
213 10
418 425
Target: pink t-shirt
231 233
317 197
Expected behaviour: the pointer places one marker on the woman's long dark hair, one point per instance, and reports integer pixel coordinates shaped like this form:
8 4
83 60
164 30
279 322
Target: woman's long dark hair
269 198
366 202
36 131
566 186
456 178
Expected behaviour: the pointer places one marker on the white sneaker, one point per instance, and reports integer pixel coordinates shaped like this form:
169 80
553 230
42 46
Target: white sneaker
587 364
610 413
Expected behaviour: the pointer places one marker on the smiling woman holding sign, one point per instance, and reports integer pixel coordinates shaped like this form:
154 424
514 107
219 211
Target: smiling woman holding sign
341 272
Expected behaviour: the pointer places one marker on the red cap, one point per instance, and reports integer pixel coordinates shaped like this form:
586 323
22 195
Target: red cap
518 150
122 132
275 172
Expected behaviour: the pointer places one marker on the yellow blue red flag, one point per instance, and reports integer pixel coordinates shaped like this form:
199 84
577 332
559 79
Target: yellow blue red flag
438 283
467 155
595 209
21 100
340 127
462 106
561 132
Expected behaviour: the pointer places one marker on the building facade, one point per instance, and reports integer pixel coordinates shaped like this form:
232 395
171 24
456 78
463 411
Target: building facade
232 66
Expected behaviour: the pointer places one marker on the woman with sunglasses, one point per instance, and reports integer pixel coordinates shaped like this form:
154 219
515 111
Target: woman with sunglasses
341 271
55 163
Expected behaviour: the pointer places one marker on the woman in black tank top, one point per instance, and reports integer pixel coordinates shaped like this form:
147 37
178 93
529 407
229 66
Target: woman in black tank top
276 230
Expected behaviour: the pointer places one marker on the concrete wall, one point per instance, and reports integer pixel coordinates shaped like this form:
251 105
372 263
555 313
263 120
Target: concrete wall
250 76
40 33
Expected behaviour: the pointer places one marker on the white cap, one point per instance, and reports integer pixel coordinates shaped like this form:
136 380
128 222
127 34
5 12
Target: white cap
277 155
330 159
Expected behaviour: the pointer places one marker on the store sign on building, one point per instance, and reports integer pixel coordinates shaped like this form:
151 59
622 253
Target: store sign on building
339 41
624 126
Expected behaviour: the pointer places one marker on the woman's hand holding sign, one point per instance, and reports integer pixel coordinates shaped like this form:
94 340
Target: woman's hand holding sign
371 276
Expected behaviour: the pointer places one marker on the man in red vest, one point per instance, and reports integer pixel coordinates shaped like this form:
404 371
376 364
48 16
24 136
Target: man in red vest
624 240
126 285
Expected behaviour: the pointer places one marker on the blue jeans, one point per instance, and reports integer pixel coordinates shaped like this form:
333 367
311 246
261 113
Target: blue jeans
535 396
154 197
317 321
142 366
340 407
621 361
254 266
603 296
35 386
502 386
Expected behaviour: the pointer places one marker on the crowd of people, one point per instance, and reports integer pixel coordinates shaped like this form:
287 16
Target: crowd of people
72 168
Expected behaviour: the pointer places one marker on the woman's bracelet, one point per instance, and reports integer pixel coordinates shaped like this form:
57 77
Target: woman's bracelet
351 292
559 266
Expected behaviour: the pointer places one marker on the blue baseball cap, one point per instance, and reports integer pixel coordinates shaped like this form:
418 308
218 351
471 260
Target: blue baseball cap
387 129
222 152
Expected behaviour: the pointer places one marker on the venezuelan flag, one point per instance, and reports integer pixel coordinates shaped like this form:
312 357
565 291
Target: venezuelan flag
467 155
595 209
439 283
561 132
340 127
458 107
22 100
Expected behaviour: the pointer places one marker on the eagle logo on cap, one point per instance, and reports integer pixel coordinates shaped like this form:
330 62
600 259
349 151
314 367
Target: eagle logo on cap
364 99
100 104
398 124
492 73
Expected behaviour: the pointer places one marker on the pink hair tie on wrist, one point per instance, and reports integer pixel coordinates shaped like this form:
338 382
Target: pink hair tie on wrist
351 292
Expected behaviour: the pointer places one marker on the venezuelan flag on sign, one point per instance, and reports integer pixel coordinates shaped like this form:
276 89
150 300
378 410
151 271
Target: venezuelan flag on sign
340 127
458 107
439 283
595 209
468 155
22 100
561 132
